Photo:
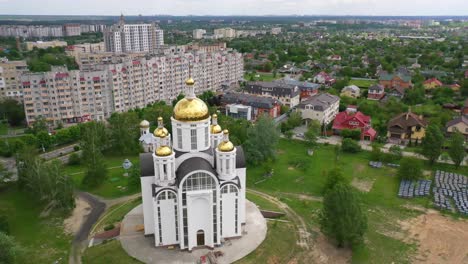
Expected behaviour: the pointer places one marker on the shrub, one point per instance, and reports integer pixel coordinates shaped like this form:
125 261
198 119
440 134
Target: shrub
349 145
410 169
76 148
351 133
74 159
109 227
4 225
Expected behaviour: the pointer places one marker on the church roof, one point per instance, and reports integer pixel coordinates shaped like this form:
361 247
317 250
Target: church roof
193 164
146 164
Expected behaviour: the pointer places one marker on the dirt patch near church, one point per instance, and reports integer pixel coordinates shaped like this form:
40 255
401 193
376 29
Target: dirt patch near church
362 185
440 239
73 223
324 252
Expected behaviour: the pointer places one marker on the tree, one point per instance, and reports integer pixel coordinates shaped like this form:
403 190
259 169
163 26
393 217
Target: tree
10 251
396 152
12 111
124 133
457 148
313 131
349 145
262 139
342 217
92 143
134 177
333 177
376 153
432 143
351 133
410 169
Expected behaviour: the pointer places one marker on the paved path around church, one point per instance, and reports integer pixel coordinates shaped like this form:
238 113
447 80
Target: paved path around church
142 248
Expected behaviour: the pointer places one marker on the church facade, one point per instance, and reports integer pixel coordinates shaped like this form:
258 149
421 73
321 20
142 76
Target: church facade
193 180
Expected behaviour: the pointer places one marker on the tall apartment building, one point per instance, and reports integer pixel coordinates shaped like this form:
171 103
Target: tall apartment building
123 37
122 83
225 32
10 83
198 33
45 44
67 96
70 30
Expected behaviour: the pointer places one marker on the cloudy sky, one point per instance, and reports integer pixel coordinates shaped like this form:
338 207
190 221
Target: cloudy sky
235 7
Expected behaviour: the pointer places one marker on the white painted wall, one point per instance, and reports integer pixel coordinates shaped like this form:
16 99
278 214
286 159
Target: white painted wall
241 173
200 217
168 225
203 131
147 197
229 215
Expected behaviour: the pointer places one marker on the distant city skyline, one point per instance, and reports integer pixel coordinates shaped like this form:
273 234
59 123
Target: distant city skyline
237 7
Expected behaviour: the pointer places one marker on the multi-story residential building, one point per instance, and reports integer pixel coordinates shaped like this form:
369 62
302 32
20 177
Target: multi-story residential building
125 83
321 107
225 32
354 120
376 92
287 94
70 30
198 33
307 88
67 96
10 83
406 127
249 106
121 37
395 80
45 44
88 47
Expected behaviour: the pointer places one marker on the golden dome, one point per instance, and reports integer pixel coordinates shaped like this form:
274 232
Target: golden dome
144 124
191 109
215 128
226 145
163 151
190 81
161 132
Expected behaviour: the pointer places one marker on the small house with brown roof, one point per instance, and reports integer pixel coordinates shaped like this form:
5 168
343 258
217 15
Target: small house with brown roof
459 124
406 126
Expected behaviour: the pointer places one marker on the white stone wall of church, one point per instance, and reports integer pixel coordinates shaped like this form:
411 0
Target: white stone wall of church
229 215
200 217
147 197
168 222
202 128
241 173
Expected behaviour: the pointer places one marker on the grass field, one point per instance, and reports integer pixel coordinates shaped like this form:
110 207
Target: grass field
383 207
43 239
362 83
116 213
110 252
262 76
110 188
3 129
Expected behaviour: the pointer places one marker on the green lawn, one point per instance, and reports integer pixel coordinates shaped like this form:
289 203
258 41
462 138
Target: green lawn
3 129
110 188
362 83
262 76
116 213
383 207
43 238
110 252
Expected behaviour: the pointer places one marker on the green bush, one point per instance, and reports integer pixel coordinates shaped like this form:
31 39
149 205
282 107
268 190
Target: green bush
351 133
74 159
349 145
109 227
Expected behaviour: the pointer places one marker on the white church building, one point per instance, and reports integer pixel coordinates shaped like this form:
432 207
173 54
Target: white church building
193 183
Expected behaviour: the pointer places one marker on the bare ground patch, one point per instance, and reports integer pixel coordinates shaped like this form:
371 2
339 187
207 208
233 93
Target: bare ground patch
73 223
324 252
362 185
440 239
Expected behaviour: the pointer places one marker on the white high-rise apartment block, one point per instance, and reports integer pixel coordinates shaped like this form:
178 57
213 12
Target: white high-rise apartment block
198 33
10 74
121 38
225 33
136 81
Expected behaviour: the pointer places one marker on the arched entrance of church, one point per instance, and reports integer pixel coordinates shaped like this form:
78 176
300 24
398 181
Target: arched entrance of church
200 238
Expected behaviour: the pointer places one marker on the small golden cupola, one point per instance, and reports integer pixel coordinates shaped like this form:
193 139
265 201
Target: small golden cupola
191 108
160 131
226 145
144 124
164 150
215 128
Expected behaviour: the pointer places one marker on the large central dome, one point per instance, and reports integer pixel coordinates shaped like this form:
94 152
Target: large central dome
191 109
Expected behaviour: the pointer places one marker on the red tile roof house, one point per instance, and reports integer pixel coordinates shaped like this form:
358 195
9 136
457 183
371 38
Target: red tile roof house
375 92
432 83
352 119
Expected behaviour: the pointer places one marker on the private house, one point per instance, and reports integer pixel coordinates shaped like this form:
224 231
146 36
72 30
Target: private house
250 107
334 58
388 80
432 83
287 94
459 124
321 107
397 92
324 78
307 88
351 91
406 126
375 92
353 119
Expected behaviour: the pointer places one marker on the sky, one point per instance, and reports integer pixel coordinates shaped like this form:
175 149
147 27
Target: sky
236 7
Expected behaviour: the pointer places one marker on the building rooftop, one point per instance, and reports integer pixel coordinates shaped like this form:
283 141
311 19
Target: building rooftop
320 102
250 100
